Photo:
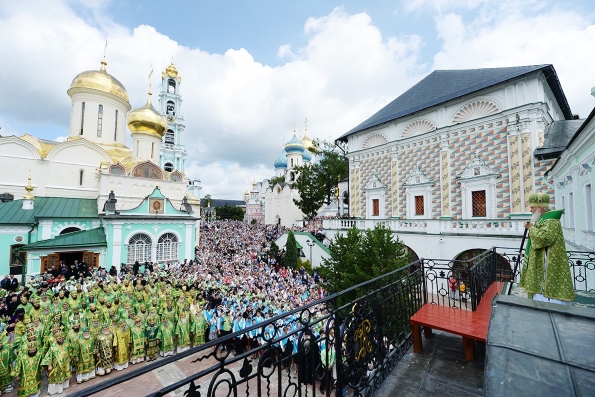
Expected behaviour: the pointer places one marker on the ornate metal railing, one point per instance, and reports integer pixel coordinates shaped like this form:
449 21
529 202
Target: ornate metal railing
348 341
582 268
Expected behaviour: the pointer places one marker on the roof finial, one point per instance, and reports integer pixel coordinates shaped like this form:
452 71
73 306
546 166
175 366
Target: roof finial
103 62
150 86
306 125
29 188
294 124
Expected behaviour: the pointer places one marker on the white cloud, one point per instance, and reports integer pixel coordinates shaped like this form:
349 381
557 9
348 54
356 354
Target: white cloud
510 35
238 111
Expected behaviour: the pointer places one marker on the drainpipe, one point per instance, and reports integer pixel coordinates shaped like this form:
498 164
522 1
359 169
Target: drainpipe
24 271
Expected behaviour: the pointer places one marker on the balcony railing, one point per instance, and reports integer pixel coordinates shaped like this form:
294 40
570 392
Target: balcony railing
435 226
366 328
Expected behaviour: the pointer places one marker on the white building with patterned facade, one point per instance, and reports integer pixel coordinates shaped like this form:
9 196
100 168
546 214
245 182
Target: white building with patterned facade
449 165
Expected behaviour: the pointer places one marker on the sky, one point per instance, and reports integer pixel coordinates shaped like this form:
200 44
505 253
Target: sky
251 69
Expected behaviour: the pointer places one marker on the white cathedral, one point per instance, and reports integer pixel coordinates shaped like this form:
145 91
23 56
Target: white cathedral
94 165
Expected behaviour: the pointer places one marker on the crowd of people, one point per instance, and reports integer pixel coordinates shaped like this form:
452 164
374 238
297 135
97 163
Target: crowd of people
84 322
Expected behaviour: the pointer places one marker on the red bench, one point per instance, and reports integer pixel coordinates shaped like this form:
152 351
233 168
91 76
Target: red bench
471 325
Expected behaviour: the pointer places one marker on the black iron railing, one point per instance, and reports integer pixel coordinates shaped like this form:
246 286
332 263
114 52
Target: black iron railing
348 341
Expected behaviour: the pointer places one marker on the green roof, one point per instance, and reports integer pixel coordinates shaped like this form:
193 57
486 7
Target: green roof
81 239
12 212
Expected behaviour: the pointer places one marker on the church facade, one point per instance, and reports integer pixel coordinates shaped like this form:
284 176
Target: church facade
62 217
454 156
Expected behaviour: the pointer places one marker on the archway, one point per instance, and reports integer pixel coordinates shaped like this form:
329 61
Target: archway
70 230
503 268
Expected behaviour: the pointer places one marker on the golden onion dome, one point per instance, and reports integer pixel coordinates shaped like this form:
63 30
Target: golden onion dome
171 71
100 80
308 142
146 120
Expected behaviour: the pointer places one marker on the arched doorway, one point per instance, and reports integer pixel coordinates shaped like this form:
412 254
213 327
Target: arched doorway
503 268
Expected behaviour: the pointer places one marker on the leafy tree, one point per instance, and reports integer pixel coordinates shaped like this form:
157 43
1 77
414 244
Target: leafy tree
291 251
253 221
308 184
276 179
230 212
273 250
333 168
359 256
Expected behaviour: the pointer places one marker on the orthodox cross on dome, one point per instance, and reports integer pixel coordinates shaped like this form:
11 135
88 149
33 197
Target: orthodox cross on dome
103 62
306 124
294 124
150 85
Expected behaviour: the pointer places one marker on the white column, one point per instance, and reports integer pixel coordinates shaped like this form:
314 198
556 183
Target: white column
189 247
116 245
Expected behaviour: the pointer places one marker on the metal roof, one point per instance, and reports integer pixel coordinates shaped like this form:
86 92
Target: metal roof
442 86
80 239
539 349
556 138
47 207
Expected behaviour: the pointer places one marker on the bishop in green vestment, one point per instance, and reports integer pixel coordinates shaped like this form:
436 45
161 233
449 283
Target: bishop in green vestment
7 356
85 357
137 333
104 350
546 273
152 341
27 370
166 337
57 361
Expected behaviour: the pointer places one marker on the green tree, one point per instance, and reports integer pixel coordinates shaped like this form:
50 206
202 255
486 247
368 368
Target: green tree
308 183
291 251
333 168
230 212
276 179
273 250
359 256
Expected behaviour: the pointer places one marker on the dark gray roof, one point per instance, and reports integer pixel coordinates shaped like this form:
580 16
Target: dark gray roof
575 136
220 203
441 86
539 349
557 135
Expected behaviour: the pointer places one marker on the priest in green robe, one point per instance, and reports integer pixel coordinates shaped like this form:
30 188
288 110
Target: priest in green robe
137 334
27 371
546 273
104 350
7 356
57 361
166 337
85 356
152 339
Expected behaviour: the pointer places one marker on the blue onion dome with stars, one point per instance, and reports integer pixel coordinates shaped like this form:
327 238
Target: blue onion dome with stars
281 162
294 145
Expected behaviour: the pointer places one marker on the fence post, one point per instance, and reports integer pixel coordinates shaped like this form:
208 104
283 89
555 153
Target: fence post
423 278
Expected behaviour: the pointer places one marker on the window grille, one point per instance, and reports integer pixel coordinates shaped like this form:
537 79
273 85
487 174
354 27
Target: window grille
139 248
419 205
375 207
478 202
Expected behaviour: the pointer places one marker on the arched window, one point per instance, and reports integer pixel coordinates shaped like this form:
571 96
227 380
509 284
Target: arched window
175 177
171 86
169 167
139 248
70 230
167 247
99 121
170 108
116 126
170 137
82 118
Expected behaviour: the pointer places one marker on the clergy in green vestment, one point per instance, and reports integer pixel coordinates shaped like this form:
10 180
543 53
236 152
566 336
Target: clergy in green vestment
182 331
137 334
85 356
166 337
199 325
27 370
546 274
7 356
152 339
104 350
57 361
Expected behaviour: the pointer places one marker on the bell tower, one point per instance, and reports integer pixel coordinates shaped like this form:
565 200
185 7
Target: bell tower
173 153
